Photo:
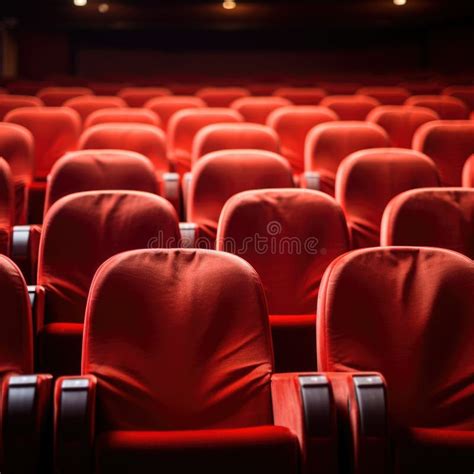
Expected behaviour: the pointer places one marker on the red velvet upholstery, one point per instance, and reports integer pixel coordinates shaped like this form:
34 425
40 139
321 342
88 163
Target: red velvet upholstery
464 93
56 96
292 125
80 232
432 217
468 173
87 104
123 115
147 140
231 136
12 102
139 96
448 108
184 126
367 180
401 121
449 144
221 96
301 95
90 170
386 95
350 107
257 109
220 175
300 233
7 207
393 310
166 106
329 143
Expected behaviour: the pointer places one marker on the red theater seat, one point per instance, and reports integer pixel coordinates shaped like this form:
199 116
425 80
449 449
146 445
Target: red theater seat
257 109
221 96
431 217
338 88
292 125
386 95
56 96
106 88
80 232
401 121
228 136
123 115
91 170
219 175
449 144
448 108
12 102
468 173
328 144
299 233
185 124
301 95
464 93
87 104
187 384
7 207
139 96
367 180
422 87
350 107
394 309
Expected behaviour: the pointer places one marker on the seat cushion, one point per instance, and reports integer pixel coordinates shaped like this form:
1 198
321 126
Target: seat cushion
245 450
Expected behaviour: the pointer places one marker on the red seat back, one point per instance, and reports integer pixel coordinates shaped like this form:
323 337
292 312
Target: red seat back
221 96
350 107
166 106
139 96
12 102
257 109
386 95
56 96
301 95
123 115
464 93
87 104
7 207
448 108
468 173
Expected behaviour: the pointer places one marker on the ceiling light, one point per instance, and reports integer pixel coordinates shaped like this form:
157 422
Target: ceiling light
399 3
229 4
103 8
80 3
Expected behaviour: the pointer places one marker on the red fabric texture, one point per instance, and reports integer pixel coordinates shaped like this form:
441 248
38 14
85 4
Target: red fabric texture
185 124
257 109
55 131
56 96
449 144
221 96
401 121
367 180
464 93
178 340
468 173
386 95
329 143
89 170
292 125
434 217
301 95
225 136
220 175
166 106
448 108
87 104
350 107
7 207
122 115
12 102
139 96
145 139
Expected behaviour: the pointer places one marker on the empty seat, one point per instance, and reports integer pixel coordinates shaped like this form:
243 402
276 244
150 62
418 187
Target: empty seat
468 173
221 96
184 126
7 207
328 144
401 121
123 115
350 107
449 144
292 125
227 136
257 109
464 93
87 104
139 96
395 310
301 95
56 96
80 232
367 180
90 170
448 108
12 102
386 95
219 175
431 217
26 87
299 233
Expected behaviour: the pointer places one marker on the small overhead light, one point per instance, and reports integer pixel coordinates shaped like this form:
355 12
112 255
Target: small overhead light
103 7
399 3
229 4
80 3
